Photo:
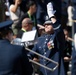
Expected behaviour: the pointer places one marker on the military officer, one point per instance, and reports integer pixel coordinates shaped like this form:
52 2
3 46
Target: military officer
51 45
13 58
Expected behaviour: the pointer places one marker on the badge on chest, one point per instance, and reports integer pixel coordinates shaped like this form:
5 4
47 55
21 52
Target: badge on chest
50 44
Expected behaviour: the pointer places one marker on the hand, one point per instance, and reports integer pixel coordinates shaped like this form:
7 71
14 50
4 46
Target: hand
40 26
70 39
53 20
66 59
17 2
36 59
50 9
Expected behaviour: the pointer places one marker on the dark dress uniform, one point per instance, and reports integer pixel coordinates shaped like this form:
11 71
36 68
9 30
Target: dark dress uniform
13 58
52 50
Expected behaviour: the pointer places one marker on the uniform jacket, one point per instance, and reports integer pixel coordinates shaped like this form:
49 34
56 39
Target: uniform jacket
52 50
13 60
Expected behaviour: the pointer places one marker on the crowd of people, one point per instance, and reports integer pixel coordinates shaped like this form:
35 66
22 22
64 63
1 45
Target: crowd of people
52 38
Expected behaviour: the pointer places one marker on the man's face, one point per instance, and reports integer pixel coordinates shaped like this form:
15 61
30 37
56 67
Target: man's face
49 28
66 34
28 26
34 8
10 36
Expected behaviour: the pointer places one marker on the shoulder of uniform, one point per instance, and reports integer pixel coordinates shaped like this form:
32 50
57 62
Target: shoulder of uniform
17 47
42 36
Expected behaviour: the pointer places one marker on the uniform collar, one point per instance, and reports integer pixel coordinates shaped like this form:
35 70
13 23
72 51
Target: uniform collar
4 40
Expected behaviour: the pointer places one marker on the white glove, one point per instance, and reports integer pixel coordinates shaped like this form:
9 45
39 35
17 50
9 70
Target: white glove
50 10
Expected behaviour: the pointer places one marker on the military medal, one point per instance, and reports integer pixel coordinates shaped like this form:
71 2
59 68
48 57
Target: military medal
50 44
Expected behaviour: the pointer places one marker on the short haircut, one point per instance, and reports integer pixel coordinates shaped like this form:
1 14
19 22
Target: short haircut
30 3
26 21
4 33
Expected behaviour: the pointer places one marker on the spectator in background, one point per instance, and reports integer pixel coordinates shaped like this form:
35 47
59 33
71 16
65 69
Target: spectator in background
7 12
15 14
22 5
64 15
27 25
70 13
31 7
67 51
